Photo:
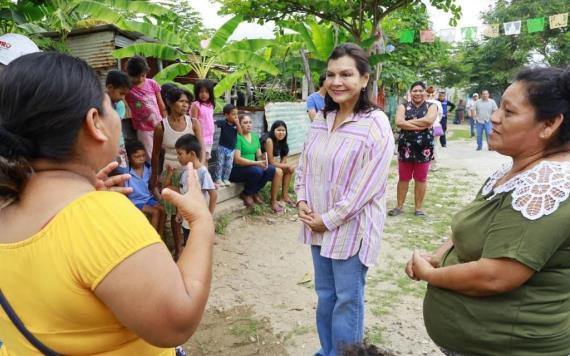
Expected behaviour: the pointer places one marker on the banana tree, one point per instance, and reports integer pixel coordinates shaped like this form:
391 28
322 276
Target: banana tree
241 56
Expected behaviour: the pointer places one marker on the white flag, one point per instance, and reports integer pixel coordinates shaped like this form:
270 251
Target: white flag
491 30
447 35
560 20
512 28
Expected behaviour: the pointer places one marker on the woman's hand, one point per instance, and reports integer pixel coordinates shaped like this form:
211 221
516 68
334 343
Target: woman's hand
114 183
312 220
262 164
419 267
192 205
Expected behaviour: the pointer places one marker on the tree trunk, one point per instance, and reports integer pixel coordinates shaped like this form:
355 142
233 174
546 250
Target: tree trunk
307 70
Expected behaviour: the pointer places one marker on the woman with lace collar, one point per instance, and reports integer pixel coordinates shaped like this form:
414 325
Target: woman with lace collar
501 284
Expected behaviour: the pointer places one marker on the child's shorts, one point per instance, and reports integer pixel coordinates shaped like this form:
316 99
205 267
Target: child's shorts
150 202
185 234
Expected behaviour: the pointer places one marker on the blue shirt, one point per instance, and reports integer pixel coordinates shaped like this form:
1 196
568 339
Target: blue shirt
141 194
316 102
228 135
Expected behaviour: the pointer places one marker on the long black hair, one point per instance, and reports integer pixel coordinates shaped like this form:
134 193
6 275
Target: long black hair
364 104
280 148
209 86
548 91
41 115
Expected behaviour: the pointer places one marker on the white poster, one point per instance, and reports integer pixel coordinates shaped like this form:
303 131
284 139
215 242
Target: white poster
447 35
512 28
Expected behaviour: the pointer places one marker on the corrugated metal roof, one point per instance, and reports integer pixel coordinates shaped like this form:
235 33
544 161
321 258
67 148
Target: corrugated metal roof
297 120
95 48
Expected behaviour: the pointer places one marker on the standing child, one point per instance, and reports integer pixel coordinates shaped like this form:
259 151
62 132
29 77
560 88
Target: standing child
189 150
230 127
141 196
145 102
117 85
203 110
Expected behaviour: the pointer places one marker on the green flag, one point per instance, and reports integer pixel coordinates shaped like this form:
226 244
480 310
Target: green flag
535 25
407 36
469 33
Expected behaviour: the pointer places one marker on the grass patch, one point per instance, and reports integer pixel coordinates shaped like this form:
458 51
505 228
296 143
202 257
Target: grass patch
459 133
222 223
373 335
246 328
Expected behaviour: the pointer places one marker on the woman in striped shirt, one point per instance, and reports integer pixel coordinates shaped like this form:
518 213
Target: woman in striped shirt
341 188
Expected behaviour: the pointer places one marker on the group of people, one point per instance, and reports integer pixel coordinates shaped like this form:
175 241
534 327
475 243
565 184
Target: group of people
70 247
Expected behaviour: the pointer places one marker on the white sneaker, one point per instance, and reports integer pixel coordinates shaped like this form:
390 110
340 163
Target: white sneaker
219 183
227 183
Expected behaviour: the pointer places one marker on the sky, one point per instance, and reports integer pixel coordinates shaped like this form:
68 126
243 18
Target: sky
471 10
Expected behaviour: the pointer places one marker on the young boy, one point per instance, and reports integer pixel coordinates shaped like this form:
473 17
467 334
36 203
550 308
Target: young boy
141 196
230 128
117 85
188 150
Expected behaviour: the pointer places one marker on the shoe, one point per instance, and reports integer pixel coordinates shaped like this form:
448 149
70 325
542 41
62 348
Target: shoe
227 183
278 210
478 149
218 184
420 213
395 212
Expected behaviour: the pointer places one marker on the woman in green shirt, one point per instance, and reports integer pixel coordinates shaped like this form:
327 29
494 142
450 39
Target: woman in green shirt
250 167
501 284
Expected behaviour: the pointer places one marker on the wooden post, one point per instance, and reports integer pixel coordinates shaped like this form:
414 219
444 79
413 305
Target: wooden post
307 70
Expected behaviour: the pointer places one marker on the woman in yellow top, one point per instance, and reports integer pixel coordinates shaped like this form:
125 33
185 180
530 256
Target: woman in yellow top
83 269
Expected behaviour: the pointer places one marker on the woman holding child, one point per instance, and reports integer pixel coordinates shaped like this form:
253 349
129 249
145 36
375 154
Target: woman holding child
83 270
177 124
501 284
341 189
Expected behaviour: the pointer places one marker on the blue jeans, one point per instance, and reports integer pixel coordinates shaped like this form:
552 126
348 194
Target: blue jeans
340 309
225 162
483 127
471 125
254 177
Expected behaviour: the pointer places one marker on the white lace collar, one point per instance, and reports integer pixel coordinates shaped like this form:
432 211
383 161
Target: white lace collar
536 192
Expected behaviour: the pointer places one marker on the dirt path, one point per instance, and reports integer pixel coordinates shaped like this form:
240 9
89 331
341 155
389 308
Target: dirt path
262 300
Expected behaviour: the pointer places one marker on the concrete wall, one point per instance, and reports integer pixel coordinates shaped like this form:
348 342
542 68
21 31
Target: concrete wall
297 120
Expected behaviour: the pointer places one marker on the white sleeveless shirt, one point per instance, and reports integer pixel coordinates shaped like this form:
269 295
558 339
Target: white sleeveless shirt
169 138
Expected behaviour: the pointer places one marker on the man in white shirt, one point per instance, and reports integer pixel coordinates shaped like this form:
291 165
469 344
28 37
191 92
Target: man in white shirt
484 108
471 113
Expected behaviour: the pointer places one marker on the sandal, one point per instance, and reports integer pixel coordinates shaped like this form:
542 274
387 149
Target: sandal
395 212
247 200
278 210
420 213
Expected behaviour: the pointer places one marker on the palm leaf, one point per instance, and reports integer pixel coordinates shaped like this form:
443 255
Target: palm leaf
221 36
140 7
250 45
250 59
228 82
155 50
98 11
171 72
302 30
323 39
153 31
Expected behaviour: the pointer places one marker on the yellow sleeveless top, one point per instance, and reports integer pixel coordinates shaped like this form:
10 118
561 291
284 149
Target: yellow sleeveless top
50 278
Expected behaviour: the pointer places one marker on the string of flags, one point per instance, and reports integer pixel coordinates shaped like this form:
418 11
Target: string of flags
470 33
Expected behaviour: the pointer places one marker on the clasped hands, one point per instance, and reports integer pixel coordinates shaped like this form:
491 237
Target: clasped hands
311 219
420 266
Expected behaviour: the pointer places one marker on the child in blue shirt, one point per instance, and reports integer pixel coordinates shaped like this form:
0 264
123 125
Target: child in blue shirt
229 129
141 196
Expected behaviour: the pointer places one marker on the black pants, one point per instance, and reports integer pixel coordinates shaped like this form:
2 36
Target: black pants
442 138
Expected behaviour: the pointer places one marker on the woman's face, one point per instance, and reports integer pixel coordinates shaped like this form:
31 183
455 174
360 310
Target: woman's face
280 133
246 124
180 107
418 94
204 95
344 83
515 129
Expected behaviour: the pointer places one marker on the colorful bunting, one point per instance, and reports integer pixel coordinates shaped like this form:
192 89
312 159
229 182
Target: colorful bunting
427 36
469 33
491 30
535 25
512 28
557 21
407 36
447 35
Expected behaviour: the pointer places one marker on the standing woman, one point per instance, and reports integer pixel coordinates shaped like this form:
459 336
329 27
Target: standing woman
274 143
177 124
415 147
341 189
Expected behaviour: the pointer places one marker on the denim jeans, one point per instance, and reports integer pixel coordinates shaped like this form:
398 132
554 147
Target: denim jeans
483 127
225 161
340 309
471 125
254 177
442 138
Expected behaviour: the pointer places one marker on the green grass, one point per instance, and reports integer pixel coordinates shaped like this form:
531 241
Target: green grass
459 133
222 223
245 328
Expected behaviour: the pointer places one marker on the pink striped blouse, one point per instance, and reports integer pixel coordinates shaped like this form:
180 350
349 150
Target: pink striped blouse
343 175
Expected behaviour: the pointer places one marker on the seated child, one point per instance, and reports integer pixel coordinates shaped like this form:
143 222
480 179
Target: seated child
188 150
229 127
117 85
141 196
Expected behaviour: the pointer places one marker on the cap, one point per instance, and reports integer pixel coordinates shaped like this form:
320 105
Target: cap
475 94
13 45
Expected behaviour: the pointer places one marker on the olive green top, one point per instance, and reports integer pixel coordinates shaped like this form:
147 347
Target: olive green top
533 319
